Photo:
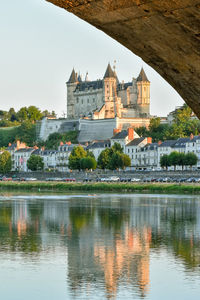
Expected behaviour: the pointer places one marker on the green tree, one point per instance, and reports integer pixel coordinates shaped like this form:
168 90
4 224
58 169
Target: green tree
164 161
22 114
35 163
34 114
182 160
126 161
90 154
5 162
174 159
75 157
55 138
26 133
88 163
104 159
190 159
116 161
154 124
117 147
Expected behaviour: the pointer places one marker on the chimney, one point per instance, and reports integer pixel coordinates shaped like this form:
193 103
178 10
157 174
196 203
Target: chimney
159 142
18 144
149 140
191 136
61 143
9 145
69 143
35 147
130 134
43 148
115 131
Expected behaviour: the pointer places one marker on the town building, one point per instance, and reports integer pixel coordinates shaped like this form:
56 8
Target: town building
98 146
133 149
123 137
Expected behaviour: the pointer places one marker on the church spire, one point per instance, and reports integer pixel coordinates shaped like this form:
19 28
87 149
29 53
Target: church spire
109 72
142 76
73 77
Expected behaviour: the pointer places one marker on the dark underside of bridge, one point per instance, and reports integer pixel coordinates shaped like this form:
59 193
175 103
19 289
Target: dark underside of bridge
164 33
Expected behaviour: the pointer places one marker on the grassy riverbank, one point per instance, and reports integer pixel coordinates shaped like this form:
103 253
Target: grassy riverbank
101 187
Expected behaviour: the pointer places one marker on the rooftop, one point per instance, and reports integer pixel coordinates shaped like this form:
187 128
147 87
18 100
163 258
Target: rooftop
136 141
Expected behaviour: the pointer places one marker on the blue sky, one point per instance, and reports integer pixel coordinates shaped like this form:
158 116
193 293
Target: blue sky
41 43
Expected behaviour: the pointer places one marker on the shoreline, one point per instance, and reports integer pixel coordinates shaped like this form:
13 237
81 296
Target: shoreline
102 187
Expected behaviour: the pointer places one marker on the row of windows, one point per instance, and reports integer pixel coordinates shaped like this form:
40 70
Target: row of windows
82 100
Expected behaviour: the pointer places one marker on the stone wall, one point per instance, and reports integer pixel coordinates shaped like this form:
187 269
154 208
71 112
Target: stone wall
96 129
101 173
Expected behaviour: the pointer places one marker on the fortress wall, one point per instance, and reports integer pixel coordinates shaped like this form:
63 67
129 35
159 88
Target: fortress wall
49 126
124 123
96 129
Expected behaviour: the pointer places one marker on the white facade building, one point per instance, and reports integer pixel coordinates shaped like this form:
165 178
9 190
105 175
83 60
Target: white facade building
21 157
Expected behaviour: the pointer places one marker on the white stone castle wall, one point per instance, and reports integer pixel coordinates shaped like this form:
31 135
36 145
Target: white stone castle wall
88 101
96 129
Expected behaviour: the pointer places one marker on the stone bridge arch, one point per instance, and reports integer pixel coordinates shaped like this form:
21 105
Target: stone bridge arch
164 33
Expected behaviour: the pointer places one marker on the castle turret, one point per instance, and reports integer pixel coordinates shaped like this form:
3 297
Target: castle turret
71 85
110 92
143 88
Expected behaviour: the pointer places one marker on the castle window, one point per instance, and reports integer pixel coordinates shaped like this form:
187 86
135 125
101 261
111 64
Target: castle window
88 100
93 100
76 100
82 101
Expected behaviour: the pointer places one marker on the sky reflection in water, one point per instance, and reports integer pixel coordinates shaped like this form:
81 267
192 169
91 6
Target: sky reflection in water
99 247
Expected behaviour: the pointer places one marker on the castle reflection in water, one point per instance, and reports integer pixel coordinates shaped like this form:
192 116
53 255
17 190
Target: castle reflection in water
107 240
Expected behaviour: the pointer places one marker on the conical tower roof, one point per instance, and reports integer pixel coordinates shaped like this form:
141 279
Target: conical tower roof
109 72
142 76
73 77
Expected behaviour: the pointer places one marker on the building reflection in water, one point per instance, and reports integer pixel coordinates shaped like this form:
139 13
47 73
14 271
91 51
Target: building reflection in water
127 258
108 241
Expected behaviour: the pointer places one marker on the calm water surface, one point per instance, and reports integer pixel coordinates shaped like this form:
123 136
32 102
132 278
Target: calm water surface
99 247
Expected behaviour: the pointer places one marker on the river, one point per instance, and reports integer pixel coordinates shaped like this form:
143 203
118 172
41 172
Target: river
103 246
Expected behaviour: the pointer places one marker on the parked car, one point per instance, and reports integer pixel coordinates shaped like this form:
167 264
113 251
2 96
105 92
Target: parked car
16 179
191 179
4 178
69 179
87 179
114 179
135 179
104 179
124 179
31 179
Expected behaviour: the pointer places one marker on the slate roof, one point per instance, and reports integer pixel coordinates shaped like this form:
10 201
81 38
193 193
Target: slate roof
24 150
12 147
196 137
109 72
120 135
73 77
180 143
47 152
151 146
167 143
99 144
142 76
82 86
136 142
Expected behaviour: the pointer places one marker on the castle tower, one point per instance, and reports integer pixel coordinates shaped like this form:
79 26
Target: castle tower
110 92
71 85
143 87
